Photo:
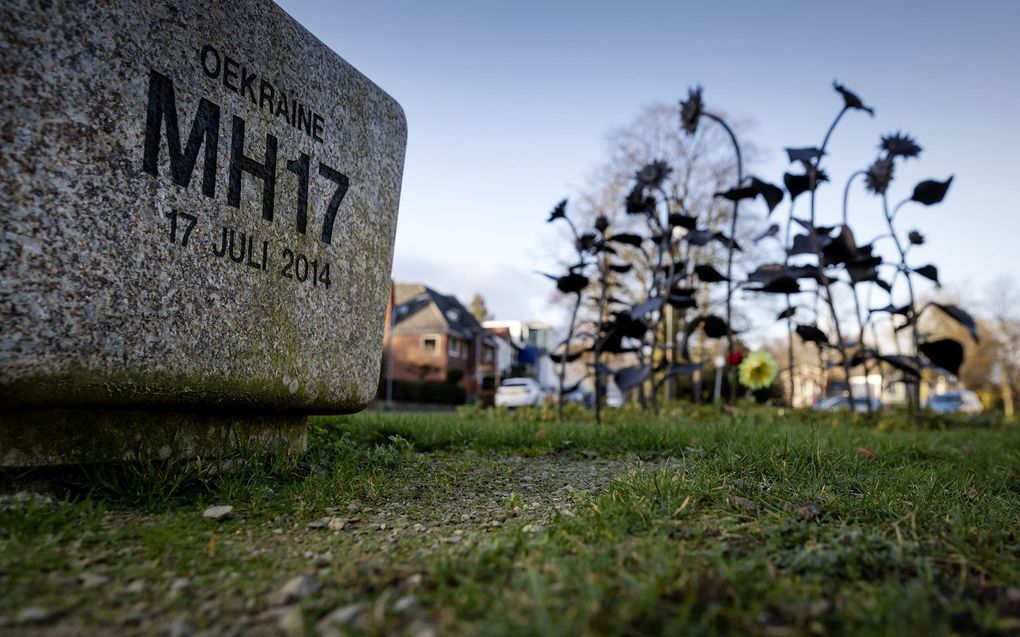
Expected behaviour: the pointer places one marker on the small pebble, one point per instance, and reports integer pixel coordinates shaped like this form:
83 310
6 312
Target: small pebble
136 587
291 622
179 585
180 628
296 588
218 512
93 580
342 616
35 615
135 618
419 628
405 603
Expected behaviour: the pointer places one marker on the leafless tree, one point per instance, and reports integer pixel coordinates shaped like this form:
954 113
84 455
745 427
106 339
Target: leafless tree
1003 306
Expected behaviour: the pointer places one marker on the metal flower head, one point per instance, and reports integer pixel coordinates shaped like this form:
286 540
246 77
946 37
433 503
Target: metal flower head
879 175
690 110
587 241
850 99
652 175
637 202
559 212
916 238
900 145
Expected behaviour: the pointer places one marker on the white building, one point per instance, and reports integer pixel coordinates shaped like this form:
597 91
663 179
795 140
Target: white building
530 348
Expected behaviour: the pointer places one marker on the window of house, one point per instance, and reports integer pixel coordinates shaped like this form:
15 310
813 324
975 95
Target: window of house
487 355
454 347
429 345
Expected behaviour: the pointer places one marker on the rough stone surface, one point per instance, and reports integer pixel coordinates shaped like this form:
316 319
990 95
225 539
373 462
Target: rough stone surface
66 436
103 303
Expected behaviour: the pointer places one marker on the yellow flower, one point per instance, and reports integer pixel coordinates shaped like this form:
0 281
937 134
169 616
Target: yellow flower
758 370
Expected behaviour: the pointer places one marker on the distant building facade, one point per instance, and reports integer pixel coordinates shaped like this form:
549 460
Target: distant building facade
432 337
529 352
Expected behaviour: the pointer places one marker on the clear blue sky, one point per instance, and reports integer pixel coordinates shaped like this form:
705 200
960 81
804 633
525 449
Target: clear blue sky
508 104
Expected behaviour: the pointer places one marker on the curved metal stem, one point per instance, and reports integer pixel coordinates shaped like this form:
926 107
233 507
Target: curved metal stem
916 402
733 239
861 323
846 192
821 265
566 352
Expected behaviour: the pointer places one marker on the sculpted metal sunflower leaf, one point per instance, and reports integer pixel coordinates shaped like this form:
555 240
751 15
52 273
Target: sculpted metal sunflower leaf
799 184
571 283
771 231
637 203
715 326
736 194
627 239
946 353
630 377
811 334
699 237
780 285
962 317
570 358
728 242
909 365
929 272
804 155
683 221
643 309
684 368
770 193
931 191
708 274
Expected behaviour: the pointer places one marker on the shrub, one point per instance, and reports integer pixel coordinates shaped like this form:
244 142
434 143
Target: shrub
424 392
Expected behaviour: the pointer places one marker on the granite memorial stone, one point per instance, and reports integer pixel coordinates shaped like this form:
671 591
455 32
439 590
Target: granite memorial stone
199 206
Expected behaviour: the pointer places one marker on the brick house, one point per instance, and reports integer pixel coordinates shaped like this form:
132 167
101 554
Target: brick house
432 337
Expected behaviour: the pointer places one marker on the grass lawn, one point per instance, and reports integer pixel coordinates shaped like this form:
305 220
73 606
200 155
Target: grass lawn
485 523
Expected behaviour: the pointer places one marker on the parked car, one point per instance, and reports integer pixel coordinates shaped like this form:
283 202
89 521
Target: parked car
614 397
519 392
843 402
963 401
582 397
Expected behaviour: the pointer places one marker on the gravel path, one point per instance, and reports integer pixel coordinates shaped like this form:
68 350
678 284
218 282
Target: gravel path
368 554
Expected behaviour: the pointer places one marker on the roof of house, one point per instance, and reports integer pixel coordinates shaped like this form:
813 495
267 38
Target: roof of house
504 334
418 309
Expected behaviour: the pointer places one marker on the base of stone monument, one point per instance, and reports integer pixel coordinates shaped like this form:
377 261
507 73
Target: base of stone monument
47 437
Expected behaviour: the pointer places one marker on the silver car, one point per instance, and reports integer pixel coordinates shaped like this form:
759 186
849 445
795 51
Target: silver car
519 392
843 402
963 401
